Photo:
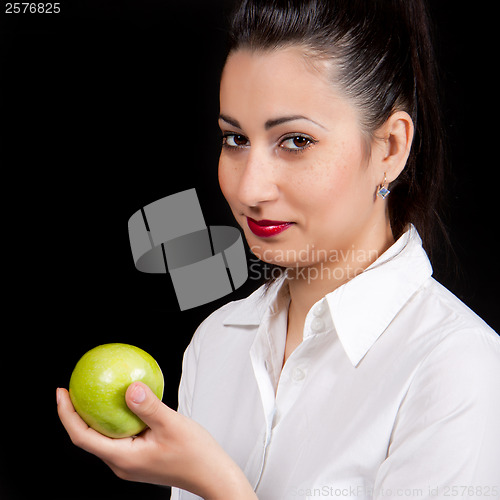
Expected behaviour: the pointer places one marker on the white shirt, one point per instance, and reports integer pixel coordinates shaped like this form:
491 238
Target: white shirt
394 391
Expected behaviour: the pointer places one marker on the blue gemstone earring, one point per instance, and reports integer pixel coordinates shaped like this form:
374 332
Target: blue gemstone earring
383 192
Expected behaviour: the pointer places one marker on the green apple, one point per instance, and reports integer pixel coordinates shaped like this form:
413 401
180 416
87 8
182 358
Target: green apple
99 382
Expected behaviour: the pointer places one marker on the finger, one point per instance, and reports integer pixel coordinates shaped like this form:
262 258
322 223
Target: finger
144 403
79 432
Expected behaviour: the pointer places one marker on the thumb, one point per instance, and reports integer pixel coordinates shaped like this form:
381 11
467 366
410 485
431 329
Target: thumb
143 402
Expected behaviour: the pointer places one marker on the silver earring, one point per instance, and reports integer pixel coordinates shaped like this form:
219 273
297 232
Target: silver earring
383 192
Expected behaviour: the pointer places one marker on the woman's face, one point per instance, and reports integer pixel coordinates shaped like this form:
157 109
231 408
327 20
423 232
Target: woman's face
294 166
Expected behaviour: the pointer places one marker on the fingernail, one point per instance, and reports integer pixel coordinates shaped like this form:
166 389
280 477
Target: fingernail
58 396
138 394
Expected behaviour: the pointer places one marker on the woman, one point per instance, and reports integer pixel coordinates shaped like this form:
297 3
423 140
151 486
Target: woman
354 373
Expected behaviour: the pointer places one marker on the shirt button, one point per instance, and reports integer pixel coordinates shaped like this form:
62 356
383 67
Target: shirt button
320 308
317 324
298 374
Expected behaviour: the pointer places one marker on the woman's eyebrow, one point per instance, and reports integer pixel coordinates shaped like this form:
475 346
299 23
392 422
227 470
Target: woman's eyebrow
270 123
231 121
284 119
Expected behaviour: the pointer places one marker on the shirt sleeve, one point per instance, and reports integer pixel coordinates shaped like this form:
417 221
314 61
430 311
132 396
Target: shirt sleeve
186 388
446 438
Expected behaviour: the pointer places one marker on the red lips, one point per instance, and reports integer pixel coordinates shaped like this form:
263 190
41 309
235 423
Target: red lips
265 228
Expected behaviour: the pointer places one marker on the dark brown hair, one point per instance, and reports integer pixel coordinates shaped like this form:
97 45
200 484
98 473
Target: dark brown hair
384 60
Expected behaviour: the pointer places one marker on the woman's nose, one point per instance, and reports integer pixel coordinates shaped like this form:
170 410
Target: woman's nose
257 183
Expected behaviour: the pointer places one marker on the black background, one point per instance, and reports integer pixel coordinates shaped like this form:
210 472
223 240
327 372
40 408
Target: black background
108 106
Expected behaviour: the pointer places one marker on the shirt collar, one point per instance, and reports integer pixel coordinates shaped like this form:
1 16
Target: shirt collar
362 308
250 311
365 306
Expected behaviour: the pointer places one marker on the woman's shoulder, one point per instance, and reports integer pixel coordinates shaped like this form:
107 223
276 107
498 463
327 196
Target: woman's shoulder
454 315
458 339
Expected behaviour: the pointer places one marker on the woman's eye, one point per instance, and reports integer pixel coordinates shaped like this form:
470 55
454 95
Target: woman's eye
297 142
234 141
292 143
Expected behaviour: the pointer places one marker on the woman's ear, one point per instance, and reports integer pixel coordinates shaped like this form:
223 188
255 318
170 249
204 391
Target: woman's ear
394 139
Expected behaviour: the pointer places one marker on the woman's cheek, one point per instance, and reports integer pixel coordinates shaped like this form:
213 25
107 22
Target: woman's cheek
224 180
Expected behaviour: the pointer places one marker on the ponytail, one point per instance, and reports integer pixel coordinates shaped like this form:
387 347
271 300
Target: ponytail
417 194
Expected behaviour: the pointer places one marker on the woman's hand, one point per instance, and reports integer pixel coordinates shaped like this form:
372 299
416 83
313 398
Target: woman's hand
173 451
